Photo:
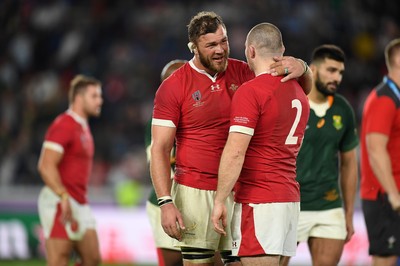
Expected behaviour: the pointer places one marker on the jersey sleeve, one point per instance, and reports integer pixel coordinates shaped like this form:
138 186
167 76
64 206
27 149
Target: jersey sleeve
244 111
58 136
167 102
350 137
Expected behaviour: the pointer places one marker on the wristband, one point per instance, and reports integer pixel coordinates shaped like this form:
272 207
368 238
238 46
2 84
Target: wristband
305 66
164 200
64 195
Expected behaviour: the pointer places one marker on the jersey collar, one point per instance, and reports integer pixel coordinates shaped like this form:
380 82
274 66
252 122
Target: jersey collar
79 119
213 78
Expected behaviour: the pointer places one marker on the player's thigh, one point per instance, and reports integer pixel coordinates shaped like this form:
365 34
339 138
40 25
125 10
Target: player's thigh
307 220
171 257
88 248
284 261
196 206
384 261
58 251
267 260
329 224
325 251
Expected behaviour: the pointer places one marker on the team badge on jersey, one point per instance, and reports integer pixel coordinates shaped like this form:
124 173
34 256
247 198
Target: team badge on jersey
197 97
337 122
391 240
84 141
233 87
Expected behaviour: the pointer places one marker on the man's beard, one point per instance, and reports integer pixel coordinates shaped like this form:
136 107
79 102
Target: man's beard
208 63
323 88
92 112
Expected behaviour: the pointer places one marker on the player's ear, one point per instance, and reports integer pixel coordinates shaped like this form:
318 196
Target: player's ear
252 51
192 47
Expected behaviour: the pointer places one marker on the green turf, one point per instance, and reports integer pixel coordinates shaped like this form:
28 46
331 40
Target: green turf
43 263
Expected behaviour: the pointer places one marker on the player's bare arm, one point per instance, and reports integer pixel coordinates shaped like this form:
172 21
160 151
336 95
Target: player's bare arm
381 165
348 185
48 169
230 166
160 169
293 68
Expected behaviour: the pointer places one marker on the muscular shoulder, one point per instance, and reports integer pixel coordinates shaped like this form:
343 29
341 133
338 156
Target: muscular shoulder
63 122
240 69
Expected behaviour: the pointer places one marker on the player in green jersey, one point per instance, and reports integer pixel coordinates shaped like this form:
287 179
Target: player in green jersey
167 254
327 162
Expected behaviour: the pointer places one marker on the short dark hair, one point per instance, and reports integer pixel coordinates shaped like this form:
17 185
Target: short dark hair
328 51
202 23
79 84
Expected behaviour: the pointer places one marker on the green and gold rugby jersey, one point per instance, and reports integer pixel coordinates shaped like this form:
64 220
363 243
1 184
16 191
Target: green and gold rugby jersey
318 159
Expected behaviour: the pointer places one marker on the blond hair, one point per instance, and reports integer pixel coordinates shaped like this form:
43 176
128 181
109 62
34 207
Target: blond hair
79 84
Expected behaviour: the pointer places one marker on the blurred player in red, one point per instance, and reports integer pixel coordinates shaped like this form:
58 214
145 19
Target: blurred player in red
65 164
380 163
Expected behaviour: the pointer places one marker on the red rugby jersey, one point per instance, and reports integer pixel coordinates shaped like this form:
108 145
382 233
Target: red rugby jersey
198 105
275 114
381 114
70 134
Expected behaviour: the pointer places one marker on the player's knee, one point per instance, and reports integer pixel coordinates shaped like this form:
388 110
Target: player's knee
198 255
57 261
284 261
326 260
92 260
228 258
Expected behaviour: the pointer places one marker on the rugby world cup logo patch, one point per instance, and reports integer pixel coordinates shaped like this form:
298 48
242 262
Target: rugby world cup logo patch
197 97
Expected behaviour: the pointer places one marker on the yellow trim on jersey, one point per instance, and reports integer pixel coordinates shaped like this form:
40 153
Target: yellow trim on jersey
53 146
162 122
242 129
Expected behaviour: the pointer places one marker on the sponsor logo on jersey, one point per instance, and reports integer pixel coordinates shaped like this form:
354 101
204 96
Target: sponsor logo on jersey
337 122
321 123
215 88
189 229
84 141
331 195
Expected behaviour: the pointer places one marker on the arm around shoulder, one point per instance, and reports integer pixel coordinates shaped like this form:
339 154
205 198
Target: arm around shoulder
306 79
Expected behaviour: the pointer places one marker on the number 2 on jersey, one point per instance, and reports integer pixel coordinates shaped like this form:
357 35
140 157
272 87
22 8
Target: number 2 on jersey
291 139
